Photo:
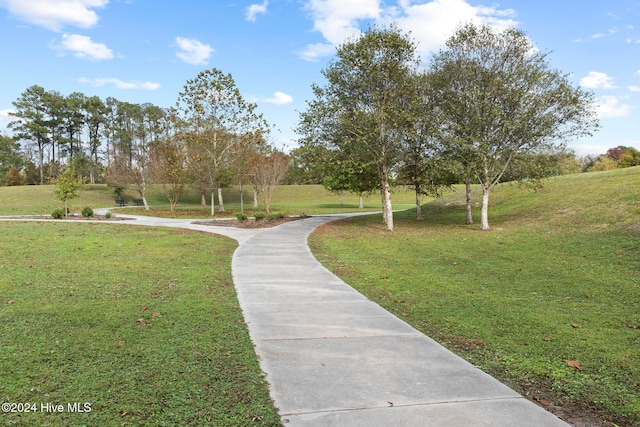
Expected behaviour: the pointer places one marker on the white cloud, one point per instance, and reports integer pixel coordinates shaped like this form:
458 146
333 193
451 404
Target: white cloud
431 22
83 47
120 84
610 107
634 88
597 80
5 118
315 51
256 9
55 14
279 98
193 51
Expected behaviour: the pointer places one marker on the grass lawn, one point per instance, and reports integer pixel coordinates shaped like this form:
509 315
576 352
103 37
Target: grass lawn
548 301
141 323
289 199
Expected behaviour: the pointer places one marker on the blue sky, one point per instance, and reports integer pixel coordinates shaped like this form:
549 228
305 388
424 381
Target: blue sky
145 50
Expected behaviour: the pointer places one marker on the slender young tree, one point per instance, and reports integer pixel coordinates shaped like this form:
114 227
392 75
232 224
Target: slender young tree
214 117
500 98
364 108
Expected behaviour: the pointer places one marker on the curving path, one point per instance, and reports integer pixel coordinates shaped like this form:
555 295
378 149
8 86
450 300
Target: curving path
334 358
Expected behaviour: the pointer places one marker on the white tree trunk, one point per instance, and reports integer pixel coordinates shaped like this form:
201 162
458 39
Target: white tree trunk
213 205
220 201
418 206
255 199
361 202
468 191
387 208
484 221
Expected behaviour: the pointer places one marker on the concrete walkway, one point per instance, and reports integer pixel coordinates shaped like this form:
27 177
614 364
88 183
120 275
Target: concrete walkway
334 358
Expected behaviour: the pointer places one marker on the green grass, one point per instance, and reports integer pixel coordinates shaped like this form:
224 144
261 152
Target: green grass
141 323
506 300
292 199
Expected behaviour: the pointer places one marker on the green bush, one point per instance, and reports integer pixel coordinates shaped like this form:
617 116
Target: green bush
87 212
259 215
276 215
241 217
57 213
107 215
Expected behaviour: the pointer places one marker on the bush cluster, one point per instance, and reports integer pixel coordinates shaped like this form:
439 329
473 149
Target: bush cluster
57 213
87 212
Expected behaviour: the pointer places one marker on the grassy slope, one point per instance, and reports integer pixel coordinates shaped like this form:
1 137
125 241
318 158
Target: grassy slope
506 300
74 329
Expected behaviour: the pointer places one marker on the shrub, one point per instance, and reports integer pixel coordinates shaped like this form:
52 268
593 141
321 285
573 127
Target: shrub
276 215
107 215
241 217
87 212
259 215
57 213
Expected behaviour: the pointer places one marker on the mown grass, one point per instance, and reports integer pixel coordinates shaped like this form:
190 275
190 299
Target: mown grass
141 323
556 280
291 199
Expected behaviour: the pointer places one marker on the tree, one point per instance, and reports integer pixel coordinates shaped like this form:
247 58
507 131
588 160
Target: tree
10 161
423 166
500 98
364 107
31 123
214 118
67 187
268 171
168 161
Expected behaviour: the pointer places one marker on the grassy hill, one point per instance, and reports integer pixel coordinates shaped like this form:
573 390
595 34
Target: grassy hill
548 300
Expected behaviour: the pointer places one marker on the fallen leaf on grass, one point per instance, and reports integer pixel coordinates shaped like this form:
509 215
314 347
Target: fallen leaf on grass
543 402
575 364
10 301
155 314
120 344
143 308
404 313
547 339
575 325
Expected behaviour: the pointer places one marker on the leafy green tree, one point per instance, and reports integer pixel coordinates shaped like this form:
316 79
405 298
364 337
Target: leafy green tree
215 117
364 109
31 124
10 160
68 187
500 98
423 166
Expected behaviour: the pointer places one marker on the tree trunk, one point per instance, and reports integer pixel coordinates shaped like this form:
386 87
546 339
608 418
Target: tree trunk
360 202
41 160
418 203
468 191
220 201
213 205
146 204
484 221
255 199
387 208
203 198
